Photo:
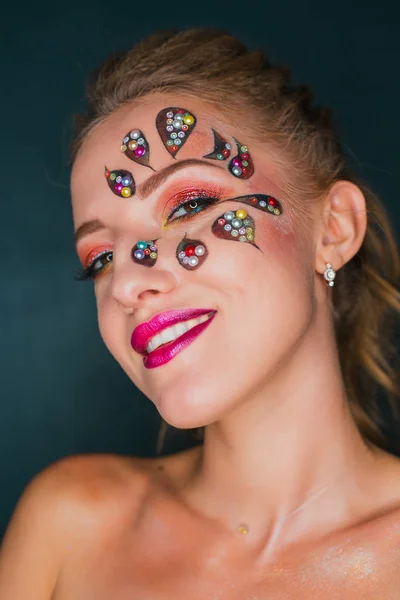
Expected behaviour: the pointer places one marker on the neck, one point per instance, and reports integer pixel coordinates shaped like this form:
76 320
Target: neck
288 462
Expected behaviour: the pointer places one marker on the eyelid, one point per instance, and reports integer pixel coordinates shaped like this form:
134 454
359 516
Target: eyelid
95 253
182 197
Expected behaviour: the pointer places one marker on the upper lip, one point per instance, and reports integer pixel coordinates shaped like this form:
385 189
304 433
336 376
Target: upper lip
143 333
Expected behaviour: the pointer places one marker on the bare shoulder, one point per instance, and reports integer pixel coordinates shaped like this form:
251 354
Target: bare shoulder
36 538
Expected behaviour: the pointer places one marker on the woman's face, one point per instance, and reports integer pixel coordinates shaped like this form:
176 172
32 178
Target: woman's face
261 288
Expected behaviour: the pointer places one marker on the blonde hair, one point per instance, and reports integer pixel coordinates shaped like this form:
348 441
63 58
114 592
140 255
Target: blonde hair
212 65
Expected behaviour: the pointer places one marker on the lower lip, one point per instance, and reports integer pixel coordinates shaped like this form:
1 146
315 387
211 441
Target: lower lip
167 352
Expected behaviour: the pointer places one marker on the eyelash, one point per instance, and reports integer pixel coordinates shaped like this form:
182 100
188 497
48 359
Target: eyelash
89 272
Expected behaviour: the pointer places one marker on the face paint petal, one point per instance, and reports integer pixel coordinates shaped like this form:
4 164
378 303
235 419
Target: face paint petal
222 148
235 225
136 148
267 204
145 253
174 126
241 165
120 182
191 253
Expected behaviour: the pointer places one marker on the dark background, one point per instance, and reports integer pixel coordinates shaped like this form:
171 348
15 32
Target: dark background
61 392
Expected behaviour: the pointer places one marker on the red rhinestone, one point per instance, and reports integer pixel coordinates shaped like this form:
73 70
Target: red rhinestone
189 251
174 148
272 201
107 174
180 111
221 221
225 152
253 200
245 170
146 251
245 156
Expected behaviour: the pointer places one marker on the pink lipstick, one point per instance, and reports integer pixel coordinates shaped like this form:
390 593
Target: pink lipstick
143 333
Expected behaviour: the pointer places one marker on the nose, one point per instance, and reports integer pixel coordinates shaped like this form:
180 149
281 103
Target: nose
133 284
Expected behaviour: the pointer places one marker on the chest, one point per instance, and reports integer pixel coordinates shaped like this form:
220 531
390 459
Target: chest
118 568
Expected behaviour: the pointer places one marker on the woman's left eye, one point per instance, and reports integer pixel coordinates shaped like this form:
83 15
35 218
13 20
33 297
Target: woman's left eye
189 209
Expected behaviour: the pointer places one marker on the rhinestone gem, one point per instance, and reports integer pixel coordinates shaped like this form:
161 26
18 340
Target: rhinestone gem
193 261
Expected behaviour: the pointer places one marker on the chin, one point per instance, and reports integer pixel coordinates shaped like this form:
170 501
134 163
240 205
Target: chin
188 409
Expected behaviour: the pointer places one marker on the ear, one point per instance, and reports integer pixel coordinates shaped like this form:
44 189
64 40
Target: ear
342 226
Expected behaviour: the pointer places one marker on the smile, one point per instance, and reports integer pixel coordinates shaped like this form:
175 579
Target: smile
165 352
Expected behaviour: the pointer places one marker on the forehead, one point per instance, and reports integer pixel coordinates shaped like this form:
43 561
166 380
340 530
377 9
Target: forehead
102 148
103 143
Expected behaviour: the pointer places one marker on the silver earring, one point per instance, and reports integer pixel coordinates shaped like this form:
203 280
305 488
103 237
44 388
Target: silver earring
330 274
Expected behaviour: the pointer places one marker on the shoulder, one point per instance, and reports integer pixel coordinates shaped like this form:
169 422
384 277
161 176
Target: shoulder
66 497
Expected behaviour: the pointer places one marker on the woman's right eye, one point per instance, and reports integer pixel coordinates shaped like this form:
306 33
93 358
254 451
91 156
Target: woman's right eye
95 267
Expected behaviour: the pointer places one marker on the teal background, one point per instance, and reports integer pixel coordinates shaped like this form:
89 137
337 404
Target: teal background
61 392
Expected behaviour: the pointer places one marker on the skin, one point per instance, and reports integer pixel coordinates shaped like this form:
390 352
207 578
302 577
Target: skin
281 454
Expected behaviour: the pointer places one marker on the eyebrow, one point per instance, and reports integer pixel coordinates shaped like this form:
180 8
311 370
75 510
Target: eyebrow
144 190
154 181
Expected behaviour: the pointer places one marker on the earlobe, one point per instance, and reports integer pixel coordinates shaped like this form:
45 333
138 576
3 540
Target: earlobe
343 225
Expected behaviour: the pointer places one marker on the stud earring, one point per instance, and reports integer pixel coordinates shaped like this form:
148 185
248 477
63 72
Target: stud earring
330 274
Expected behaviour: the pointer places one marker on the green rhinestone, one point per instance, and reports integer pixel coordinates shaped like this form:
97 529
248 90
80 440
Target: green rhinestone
234 232
249 230
271 208
245 163
170 142
113 176
242 238
220 156
243 149
250 236
246 222
153 254
142 245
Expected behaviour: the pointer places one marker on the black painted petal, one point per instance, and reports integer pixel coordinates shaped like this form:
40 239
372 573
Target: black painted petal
120 182
136 147
174 126
191 253
222 148
241 165
145 253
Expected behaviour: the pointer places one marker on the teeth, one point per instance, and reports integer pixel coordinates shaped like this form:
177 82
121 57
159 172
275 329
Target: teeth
172 333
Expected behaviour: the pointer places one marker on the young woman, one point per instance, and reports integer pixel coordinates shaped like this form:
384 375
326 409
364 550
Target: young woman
246 282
